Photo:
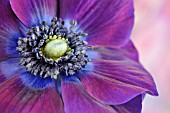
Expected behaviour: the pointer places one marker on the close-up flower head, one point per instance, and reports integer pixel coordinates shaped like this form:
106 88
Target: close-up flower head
70 56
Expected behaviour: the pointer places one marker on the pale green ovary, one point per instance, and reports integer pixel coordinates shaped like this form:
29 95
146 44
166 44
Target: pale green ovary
55 48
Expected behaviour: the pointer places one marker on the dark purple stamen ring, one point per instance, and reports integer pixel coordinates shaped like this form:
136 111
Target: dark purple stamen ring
32 49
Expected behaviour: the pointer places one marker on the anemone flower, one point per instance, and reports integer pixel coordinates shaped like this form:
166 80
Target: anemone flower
70 56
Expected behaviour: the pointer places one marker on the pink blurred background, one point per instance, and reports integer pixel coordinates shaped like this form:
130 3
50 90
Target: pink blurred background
151 36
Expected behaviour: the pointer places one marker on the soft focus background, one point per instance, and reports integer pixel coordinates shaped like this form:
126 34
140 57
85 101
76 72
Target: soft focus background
151 36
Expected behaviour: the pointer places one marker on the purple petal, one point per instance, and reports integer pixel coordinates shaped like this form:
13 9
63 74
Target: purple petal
108 23
130 51
32 12
110 53
17 98
35 82
9 31
2 78
77 100
11 67
23 29
118 81
133 106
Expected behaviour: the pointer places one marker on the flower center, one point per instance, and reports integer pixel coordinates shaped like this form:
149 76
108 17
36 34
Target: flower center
55 48
44 53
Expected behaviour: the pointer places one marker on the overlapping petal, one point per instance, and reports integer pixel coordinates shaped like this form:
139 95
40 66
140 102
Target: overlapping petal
133 106
32 12
108 23
130 51
117 81
9 31
77 100
17 98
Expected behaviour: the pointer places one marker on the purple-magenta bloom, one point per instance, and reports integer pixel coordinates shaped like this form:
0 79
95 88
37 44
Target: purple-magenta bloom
90 65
